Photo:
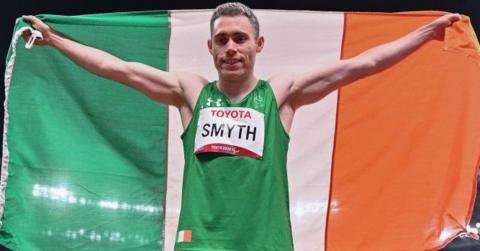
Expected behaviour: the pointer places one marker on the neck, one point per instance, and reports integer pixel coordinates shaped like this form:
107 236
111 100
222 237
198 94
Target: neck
237 89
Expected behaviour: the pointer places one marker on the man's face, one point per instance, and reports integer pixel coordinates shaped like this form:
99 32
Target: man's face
234 46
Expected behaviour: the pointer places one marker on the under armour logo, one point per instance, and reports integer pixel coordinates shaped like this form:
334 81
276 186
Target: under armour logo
217 103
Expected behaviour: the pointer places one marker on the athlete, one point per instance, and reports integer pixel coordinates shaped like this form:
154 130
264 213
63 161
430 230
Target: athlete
235 190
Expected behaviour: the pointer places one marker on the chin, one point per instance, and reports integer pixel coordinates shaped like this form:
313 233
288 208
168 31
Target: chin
233 75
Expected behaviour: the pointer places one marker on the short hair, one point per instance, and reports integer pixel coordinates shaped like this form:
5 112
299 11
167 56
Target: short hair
235 9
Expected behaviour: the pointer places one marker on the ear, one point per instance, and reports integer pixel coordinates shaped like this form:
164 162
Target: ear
260 43
209 44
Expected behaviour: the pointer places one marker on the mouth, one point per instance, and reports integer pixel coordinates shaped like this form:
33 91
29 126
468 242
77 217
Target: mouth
231 61
231 64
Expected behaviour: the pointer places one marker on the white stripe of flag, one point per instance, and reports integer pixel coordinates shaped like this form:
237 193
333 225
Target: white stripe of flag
294 41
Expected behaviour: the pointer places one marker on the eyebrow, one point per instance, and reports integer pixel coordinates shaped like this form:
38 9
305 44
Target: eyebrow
222 33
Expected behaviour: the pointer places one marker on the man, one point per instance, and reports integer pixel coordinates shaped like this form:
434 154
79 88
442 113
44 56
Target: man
235 192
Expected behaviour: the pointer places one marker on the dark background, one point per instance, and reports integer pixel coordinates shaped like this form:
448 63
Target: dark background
17 8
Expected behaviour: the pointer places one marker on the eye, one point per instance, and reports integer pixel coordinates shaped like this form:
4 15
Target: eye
221 40
240 38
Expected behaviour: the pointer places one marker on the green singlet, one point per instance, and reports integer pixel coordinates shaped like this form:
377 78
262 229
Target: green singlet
233 202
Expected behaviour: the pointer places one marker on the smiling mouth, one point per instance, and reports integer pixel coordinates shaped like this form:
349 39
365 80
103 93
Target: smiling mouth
231 61
231 64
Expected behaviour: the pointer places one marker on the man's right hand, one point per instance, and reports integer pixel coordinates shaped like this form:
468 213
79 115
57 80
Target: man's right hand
41 27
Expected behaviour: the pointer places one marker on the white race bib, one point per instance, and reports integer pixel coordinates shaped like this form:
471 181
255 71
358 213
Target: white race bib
230 130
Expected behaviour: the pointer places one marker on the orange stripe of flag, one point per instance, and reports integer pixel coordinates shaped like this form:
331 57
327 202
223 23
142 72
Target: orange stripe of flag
407 141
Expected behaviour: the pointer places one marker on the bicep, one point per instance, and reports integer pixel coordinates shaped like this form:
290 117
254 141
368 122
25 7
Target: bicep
159 85
313 85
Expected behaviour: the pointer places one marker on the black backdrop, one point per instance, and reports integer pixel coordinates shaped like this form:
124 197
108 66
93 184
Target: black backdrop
15 9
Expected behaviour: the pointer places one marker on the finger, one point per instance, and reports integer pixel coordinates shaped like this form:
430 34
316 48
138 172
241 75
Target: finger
30 18
453 17
33 20
456 17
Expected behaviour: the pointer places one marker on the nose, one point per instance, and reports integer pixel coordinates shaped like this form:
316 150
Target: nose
231 48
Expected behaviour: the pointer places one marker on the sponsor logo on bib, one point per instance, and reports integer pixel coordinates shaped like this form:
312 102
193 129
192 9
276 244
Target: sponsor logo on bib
230 130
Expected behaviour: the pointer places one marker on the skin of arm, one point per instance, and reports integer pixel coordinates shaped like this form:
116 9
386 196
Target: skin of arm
296 90
161 86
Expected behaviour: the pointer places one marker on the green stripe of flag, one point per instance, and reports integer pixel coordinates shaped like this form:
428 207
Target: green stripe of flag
87 155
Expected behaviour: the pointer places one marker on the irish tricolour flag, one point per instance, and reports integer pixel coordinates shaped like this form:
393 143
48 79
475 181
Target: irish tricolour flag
387 163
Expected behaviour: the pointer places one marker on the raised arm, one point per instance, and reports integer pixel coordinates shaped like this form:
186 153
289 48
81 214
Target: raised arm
159 85
311 86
